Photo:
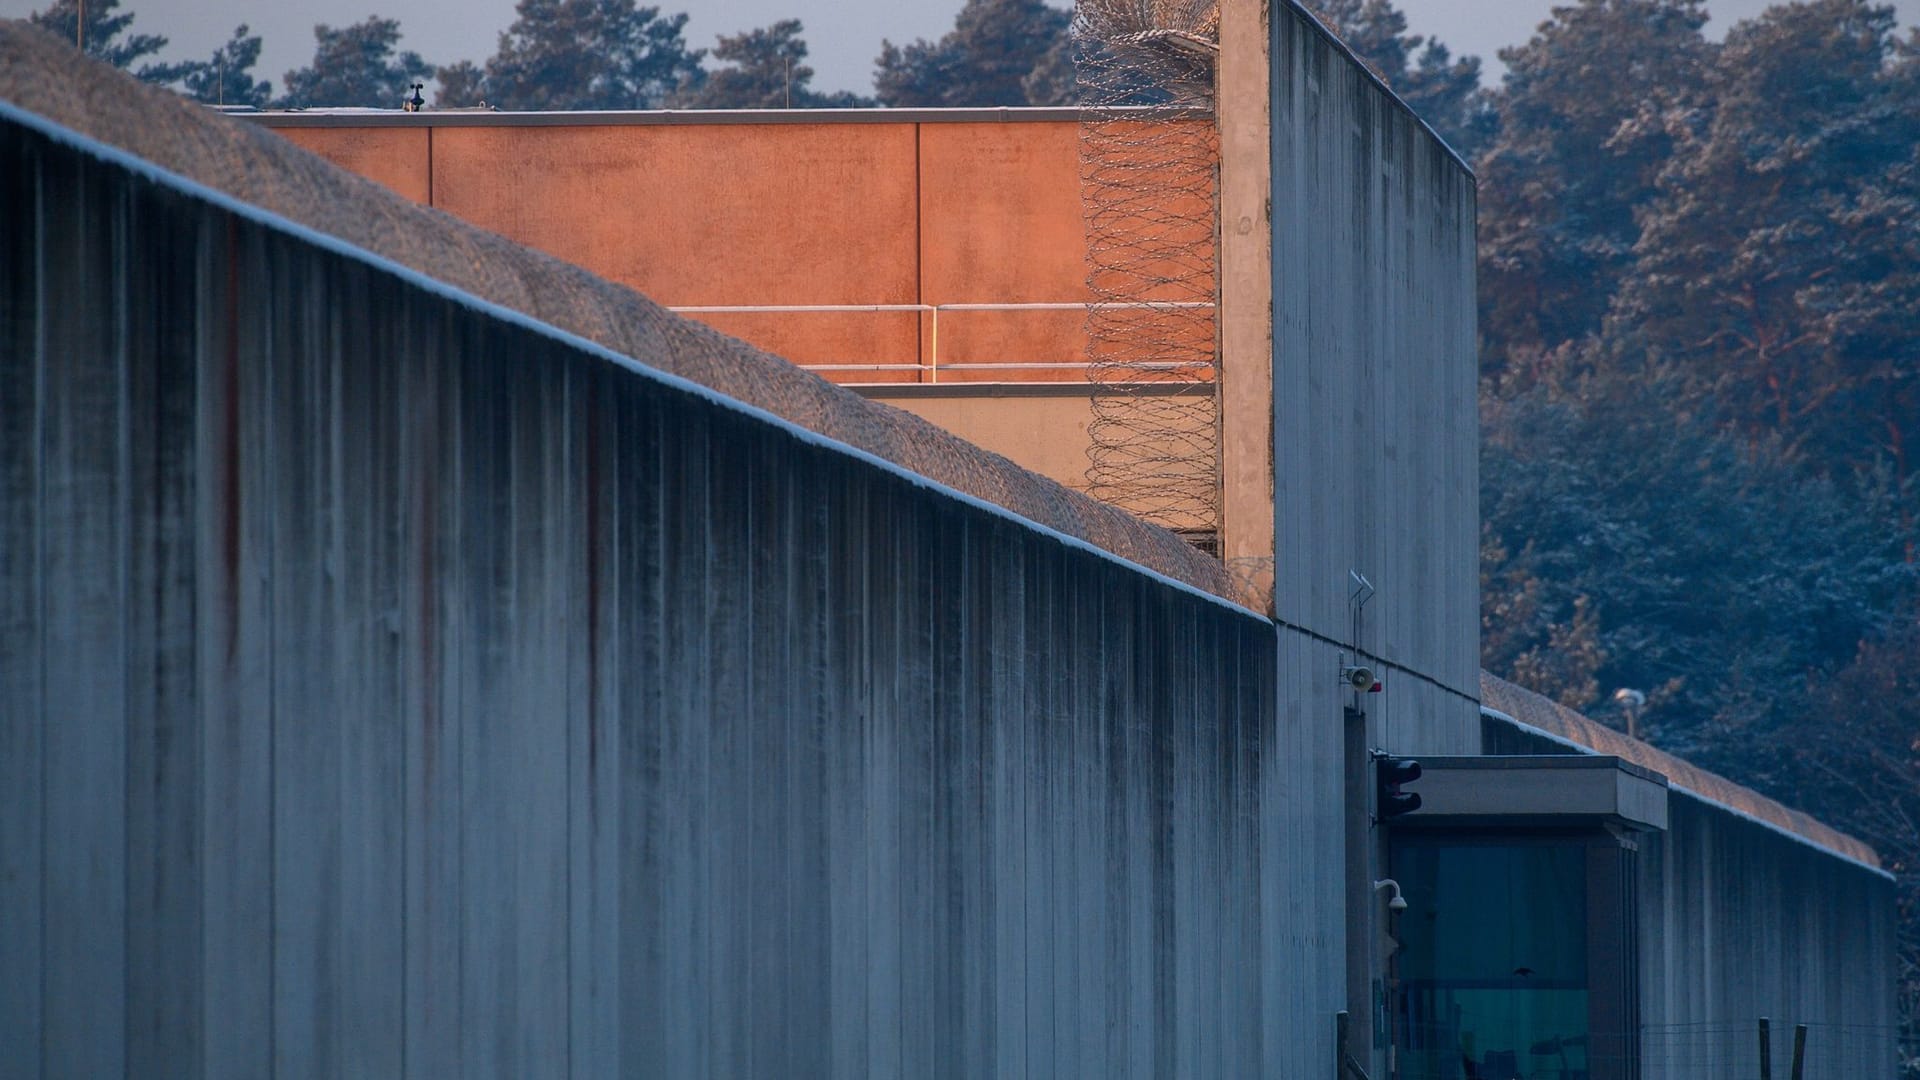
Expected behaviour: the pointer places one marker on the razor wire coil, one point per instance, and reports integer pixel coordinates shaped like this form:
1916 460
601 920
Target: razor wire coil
1149 181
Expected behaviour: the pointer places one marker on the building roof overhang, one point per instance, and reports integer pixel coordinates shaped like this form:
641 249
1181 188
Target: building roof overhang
1539 791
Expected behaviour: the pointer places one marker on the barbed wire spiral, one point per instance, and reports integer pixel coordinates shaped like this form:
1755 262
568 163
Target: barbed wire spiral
1149 167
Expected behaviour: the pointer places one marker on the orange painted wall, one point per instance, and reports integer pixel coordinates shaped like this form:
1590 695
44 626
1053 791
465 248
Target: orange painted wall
396 157
738 214
827 213
816 213
1001 222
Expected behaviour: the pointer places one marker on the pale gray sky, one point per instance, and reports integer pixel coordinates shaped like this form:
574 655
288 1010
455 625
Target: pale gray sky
843 35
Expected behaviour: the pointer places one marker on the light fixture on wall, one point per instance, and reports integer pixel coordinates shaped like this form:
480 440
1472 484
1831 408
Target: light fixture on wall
1395 903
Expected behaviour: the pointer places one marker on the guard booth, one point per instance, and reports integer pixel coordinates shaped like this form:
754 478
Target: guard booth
1518 944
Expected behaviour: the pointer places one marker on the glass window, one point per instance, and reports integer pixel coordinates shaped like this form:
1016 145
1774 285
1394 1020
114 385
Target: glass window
1493 960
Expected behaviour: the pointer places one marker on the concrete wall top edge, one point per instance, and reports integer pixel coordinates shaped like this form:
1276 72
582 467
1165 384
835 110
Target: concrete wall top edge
672 117
1484 762
1557 724
1307 16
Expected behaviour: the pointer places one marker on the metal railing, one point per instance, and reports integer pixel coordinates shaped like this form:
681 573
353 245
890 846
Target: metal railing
932 366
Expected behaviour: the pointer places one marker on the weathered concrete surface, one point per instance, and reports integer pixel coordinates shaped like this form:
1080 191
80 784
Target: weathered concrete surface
1375 372
296 716
1746 909
1561 722
1375 470
392 687
47 77
1243 107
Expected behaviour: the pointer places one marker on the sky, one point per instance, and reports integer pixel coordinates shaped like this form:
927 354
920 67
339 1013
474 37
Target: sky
843 35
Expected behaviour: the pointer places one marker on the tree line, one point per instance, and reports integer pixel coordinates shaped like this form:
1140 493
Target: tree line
605 54
1699 288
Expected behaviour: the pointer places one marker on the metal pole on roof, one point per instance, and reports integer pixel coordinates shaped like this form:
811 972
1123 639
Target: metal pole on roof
1631 702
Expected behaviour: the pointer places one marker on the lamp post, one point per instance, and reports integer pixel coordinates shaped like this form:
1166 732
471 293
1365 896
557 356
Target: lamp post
1630 703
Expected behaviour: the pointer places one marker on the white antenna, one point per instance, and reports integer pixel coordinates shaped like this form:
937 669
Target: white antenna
1357 598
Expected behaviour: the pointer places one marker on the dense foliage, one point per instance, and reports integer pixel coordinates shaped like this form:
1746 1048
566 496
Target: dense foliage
1700 323
580 54
358 65
227 78
764 69
1628 542
1726 238
105 36
999 52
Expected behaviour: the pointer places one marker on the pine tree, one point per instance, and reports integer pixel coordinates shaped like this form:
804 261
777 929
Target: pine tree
999 53
1781 257
462 85
1585 112
1053 80
227 79
355 66
1630 542
766 69
100 37
590 54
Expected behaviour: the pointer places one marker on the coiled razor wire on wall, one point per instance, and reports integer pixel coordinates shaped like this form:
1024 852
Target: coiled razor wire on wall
1149 167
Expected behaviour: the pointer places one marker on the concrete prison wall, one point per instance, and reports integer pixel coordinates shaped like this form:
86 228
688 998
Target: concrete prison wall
393 686
1375 465
1746 911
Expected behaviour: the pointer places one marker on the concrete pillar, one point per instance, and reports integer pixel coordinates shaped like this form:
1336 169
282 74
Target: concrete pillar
1242 106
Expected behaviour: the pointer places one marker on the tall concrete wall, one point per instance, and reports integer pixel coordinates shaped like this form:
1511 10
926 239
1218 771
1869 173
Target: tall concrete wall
1741 920
1375 372
391 686
1375 458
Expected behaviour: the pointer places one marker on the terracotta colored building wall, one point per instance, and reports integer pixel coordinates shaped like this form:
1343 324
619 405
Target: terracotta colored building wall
784 214
836 213
717 215
1001 223
400 158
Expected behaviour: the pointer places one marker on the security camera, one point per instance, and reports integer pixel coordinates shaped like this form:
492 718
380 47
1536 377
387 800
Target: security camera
1395 903
1360 678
